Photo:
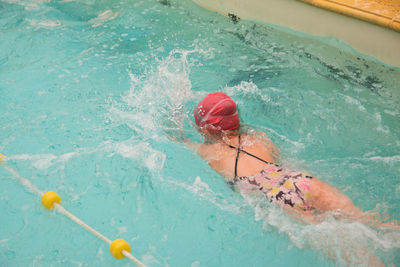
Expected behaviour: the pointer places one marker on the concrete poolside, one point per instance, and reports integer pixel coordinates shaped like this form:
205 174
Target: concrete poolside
370 26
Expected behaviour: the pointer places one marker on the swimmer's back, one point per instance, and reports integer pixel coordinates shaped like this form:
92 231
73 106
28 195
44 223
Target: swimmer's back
221 157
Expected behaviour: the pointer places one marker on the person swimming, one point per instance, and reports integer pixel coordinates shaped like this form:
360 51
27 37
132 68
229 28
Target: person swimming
248 161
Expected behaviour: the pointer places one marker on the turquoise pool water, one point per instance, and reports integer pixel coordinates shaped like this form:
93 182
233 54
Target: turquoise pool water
90 91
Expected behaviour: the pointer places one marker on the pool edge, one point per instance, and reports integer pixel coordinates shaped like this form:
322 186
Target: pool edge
367 38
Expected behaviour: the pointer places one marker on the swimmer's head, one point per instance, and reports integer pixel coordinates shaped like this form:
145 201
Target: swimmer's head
217 112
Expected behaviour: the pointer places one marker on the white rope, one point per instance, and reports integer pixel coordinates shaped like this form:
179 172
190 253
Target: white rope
62 210
25 182
132 258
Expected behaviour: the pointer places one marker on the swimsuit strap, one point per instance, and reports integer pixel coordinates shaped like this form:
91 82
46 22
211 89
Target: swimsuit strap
254 156
237 157
244 151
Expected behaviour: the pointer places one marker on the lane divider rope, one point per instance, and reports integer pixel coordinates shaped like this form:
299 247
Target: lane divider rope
119 248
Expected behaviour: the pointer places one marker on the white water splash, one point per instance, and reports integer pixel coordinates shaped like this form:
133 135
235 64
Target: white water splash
44 161
103 18
202 189
143 152
155 101
252 89
347 243
354 101
44 23
381 127
392 159
28 5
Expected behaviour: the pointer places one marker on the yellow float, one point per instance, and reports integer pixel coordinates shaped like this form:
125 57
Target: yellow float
117 246
49 198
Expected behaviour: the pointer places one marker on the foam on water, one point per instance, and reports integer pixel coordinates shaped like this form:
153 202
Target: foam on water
143 152
44 23
202 189
44 161
353 101
103 18
155 101
339 239
393 159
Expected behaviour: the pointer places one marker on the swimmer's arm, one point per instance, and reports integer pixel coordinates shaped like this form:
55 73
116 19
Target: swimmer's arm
185 140
202 150
193 146
176 135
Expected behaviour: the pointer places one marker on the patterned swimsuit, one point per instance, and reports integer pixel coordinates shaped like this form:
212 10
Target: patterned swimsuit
284 187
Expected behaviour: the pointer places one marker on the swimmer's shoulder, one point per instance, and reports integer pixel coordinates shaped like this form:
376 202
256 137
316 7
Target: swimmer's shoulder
255 137
259 142
204 150
197 147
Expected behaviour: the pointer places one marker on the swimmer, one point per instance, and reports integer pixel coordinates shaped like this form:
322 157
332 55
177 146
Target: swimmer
249 162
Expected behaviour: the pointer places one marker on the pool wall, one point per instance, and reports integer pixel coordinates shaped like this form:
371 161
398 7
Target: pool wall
367 38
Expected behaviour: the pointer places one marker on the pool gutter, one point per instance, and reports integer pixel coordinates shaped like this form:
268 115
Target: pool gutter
374 32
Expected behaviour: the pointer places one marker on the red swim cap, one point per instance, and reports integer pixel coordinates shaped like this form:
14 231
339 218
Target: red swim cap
216 112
